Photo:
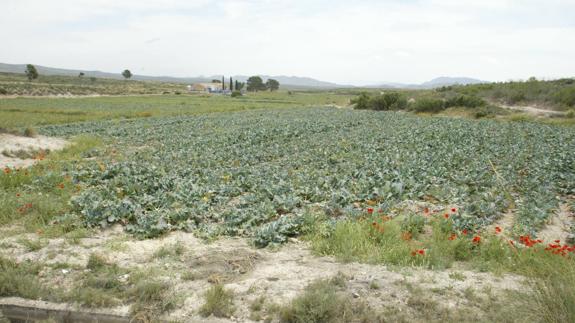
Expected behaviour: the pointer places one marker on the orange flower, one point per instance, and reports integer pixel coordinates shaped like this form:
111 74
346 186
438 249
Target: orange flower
446 216
61 186
497 230
452 237
17 194
7 170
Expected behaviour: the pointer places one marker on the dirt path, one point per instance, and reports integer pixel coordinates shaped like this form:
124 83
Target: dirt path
277 276
18 151
533 110
559 225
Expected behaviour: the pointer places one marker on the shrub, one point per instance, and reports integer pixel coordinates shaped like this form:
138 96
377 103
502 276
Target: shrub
570 114
361 102
428 105
467 101
388 101
3 91
384 102
565 97
236 94
30 132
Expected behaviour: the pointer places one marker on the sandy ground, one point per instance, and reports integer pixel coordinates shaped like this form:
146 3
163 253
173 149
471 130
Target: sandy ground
533 110
277 275
558 227
10 144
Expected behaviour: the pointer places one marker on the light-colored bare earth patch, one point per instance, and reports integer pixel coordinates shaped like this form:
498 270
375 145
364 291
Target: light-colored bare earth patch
559 225
276 275
19 151
532 110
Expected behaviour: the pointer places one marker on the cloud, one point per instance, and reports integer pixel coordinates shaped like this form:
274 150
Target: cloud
350 42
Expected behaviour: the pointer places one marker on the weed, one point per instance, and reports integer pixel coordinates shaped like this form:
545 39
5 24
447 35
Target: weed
30 132
457 276
172 250
32 245
218 302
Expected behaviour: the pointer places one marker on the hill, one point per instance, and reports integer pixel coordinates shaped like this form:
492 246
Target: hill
434 83
285 81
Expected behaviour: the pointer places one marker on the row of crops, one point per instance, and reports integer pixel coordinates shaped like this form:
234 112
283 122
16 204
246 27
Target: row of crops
256 173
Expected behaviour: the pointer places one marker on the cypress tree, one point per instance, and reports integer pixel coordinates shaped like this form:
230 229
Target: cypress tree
231 84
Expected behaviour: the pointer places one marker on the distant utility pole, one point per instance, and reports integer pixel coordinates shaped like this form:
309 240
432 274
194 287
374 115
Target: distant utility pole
231 84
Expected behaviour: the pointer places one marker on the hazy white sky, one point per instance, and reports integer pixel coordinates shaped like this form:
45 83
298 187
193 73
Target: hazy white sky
350 42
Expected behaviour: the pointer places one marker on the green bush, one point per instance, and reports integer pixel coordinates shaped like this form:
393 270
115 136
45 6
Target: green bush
3 91
428 105
30 132
565 97
466 101
362 101
383 102
236 94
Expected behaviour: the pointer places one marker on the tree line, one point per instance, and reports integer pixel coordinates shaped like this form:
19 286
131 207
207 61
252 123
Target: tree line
254 83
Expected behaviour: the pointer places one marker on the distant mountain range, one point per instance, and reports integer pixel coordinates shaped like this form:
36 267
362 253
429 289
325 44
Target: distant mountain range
285 81
435 83
293 82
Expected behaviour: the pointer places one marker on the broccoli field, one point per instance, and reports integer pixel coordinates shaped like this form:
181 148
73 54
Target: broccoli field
256 173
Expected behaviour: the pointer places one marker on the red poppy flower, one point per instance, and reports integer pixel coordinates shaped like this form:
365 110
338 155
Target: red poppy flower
453 210
421 252
452 237
476 239
557 241
497 230
464 232
369 210
426 210
446 216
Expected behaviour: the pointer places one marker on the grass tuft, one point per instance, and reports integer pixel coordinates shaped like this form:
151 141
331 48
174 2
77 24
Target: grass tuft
218 302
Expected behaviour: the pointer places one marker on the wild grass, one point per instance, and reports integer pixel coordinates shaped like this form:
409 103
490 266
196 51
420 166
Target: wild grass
327 301
37 197
21 280
550 276
19 113
173 250
218 302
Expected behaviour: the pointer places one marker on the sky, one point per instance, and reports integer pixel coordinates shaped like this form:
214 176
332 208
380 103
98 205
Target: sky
357 42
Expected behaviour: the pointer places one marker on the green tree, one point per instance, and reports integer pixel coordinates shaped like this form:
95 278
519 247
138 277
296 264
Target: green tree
127 74
239 85
231 84
272 85
255 83
31 72
216 81
81 75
